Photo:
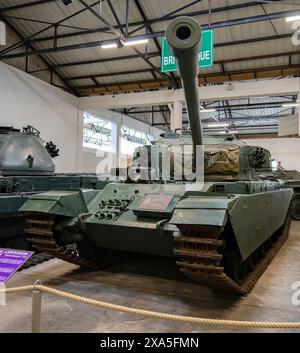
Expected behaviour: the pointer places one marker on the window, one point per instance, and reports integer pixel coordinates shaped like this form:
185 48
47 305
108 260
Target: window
131 139
97 133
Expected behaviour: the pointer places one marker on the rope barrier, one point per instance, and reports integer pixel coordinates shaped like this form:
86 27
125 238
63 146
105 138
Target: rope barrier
153 314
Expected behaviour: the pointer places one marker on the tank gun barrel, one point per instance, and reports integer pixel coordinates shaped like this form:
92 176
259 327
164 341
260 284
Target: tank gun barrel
184 37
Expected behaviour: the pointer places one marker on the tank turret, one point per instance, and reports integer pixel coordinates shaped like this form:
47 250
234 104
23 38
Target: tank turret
223 159
23 153
184 37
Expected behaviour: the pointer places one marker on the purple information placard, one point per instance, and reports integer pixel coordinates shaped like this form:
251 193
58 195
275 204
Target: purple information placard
10 261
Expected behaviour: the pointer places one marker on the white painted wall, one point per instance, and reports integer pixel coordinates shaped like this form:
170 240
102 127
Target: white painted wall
90 159
286 150
288 125
26 100
260 88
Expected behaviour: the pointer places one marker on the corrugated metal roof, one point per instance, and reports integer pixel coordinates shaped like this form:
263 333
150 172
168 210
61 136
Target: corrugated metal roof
103 68
55 11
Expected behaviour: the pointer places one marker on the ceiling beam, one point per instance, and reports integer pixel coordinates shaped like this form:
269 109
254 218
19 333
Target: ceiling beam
68 87
175 12
283 87
186 122
26 5
156 42
121 35
140 54
42 22
221 24
104 60
248 106
219 77
101 18
117 73
155 54
152 21
53 25
217 62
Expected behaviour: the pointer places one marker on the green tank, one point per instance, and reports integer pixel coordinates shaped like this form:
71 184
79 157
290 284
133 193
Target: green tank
27 168
292 179
222 231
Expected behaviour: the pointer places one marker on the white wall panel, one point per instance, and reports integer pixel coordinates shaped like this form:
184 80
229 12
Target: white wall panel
25 100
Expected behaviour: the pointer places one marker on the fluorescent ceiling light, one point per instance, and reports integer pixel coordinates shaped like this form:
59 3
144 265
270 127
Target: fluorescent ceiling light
109 46
210 110
291 104
135 42
292 18
218 125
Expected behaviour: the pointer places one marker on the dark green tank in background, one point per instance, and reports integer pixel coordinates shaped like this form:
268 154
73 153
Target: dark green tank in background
26 168
292 179
222 233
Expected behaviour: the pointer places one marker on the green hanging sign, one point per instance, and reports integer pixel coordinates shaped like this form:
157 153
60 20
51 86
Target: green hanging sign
206 53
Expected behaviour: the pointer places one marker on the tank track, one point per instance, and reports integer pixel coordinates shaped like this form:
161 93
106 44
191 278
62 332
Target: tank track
199 253
40 234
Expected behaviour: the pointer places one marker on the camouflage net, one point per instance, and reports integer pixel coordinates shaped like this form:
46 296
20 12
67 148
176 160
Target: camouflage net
221 159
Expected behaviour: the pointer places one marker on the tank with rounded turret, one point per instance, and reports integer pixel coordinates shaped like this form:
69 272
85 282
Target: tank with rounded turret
27 168
220 219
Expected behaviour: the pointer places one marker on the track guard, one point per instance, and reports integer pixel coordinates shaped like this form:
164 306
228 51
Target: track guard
63 203
202 210
255 217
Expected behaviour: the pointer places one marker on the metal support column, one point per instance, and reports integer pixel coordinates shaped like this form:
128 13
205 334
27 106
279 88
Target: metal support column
115 140
298 100
176 115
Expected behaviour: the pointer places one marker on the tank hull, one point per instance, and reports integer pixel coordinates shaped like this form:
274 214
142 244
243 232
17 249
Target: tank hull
253 217
213 236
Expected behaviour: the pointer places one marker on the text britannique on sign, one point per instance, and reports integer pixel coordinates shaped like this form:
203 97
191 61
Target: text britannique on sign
206 54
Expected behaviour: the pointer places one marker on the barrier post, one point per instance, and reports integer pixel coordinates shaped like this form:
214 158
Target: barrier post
36 310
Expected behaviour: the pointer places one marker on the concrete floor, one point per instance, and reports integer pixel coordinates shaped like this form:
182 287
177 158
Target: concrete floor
154 284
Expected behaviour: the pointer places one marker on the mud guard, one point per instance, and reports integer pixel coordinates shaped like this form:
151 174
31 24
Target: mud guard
253 217
63 203
202 210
